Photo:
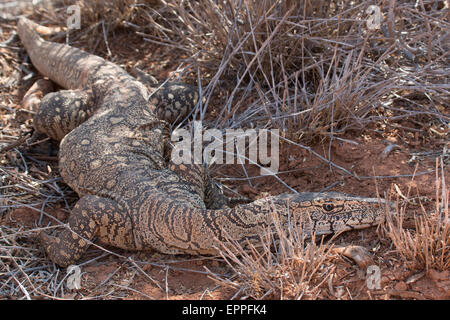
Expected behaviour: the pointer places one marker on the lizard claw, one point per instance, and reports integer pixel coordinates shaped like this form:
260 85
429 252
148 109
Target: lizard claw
44 239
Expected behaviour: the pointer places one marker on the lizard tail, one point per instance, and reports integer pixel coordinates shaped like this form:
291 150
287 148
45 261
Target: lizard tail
28 34
59 62
68 66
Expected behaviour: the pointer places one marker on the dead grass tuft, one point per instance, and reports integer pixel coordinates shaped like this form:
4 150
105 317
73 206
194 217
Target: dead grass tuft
313 68
281 266
427 246
112 14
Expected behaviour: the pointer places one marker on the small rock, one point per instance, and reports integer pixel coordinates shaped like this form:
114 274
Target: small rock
62 215
436 275
248 190
401 286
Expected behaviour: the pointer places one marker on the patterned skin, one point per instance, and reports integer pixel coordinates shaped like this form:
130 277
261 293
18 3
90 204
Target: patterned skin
114 153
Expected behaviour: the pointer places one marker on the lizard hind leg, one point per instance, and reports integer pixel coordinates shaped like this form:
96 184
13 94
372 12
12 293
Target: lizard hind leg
61 112
92 216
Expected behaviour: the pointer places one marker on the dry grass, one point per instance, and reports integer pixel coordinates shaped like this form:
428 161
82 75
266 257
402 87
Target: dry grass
427 246
312 68
283 266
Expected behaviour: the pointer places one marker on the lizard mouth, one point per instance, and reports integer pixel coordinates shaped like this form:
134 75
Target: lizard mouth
310 196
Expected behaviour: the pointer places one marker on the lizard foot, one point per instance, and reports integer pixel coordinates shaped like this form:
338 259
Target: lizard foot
92 216
52 246
357 253
60 112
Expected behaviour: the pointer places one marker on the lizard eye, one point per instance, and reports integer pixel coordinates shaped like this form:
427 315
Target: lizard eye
328 206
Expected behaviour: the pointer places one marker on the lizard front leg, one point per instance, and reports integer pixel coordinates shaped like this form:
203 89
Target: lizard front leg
173 100
91 216
197 176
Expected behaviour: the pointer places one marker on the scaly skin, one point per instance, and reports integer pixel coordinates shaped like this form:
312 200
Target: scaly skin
113 154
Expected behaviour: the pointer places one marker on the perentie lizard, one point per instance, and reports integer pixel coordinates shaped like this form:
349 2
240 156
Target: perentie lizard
112 153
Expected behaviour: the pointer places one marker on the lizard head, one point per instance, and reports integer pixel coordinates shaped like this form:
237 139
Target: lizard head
331 212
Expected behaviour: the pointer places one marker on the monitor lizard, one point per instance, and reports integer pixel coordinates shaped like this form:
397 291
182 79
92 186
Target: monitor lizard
113 153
